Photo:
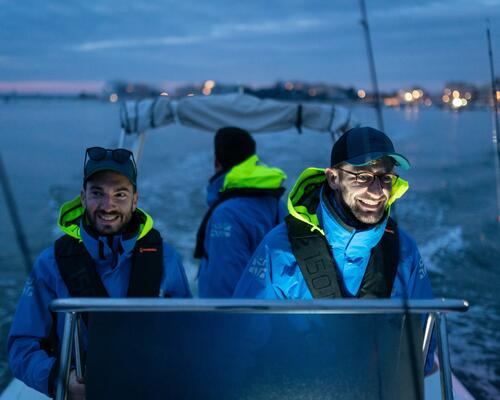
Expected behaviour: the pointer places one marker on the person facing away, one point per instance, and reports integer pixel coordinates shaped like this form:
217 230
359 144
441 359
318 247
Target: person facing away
338 240
244 204
109 249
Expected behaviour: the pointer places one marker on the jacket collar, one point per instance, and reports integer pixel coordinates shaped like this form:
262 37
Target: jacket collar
109 250
354 241
72 212
215 186
249 174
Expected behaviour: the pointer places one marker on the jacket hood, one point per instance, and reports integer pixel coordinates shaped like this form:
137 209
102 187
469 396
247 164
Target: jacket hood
71 212
251 173
304 197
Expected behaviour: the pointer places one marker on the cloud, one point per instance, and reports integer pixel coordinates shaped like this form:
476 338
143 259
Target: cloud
134 43
267 27
217 32
440 9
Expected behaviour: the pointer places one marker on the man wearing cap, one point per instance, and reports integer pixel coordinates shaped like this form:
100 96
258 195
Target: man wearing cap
244 204
339 241
109 249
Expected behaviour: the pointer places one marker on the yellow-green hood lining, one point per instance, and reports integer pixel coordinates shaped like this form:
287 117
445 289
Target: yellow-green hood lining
309 183
71 212
251 173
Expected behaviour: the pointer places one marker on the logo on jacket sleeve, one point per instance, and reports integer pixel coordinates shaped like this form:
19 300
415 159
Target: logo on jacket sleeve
422 271
258 267
221 230
28 287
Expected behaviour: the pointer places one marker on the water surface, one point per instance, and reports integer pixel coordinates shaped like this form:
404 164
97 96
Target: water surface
450 209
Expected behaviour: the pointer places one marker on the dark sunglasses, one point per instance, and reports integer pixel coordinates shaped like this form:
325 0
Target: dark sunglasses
100 153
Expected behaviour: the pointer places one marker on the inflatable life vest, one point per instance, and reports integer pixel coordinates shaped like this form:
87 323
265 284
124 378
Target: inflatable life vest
320 270
80 276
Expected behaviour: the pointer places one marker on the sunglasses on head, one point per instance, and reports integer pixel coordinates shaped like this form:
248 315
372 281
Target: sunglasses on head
100 153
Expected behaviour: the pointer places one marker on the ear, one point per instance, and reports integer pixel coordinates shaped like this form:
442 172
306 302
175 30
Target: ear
217 165
332 177
135 200
82 198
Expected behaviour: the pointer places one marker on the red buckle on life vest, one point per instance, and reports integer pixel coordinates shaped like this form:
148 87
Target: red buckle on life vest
148 249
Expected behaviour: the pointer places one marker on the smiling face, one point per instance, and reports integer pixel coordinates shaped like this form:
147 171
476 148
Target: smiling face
367 202
109 200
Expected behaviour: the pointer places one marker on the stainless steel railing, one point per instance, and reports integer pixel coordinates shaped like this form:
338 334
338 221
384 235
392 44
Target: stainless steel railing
435 308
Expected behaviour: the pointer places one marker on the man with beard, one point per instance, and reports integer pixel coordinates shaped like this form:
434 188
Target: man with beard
109 249
339 240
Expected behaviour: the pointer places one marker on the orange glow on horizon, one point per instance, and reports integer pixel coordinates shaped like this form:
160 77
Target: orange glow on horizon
52 86
391 101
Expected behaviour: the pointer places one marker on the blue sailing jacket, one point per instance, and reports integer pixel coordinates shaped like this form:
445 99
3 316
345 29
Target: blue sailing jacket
273 272
33 320
237 225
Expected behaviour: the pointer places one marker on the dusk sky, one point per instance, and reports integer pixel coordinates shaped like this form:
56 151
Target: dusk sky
83 43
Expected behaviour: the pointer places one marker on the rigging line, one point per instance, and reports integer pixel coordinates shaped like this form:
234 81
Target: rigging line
373 73
371 62
14 215
495 127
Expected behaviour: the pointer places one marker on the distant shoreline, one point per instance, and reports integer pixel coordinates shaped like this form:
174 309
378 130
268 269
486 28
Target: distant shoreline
6 98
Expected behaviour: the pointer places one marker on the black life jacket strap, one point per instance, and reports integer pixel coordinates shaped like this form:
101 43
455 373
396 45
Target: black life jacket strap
199 250
314 259
382 268
77 268
79 273
319 268
147 266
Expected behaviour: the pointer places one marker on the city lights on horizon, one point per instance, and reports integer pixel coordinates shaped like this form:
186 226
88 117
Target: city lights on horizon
454 96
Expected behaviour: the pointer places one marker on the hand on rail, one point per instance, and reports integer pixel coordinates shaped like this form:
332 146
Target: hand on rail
76 386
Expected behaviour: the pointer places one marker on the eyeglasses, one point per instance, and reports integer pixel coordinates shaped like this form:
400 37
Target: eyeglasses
100 153
367 178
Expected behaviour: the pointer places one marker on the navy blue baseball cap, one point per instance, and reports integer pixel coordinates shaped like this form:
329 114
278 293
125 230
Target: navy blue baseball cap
118 160
360 146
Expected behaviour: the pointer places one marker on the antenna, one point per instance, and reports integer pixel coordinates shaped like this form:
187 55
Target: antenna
373 73
494 110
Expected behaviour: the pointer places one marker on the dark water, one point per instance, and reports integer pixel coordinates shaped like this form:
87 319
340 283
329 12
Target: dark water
450 209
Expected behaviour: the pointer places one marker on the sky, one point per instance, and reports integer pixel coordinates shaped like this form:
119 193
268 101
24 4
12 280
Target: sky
79 44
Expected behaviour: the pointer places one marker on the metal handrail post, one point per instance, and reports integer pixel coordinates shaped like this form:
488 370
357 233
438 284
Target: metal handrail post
139 146
65 358
121 139
444 358
78 347
429 327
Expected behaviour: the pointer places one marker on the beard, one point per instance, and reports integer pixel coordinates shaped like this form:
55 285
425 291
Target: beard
371 217
110 223
365 209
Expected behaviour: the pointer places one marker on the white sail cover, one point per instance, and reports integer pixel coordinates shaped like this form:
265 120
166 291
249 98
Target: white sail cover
237 109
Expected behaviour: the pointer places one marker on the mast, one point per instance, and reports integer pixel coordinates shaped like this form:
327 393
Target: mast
14 215
371 62
495 130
